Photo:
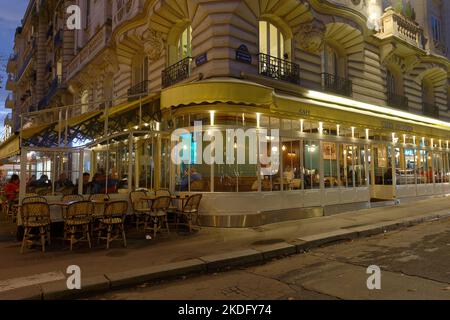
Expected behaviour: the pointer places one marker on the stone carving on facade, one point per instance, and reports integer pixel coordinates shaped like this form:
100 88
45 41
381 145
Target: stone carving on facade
153 44
311 36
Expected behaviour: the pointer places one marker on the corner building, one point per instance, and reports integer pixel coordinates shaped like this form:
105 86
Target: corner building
358 90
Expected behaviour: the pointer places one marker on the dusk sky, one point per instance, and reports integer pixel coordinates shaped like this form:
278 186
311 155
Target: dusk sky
11 13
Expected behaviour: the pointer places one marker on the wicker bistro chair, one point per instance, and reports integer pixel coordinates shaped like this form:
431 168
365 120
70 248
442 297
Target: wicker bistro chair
114 218
190 210
158 215
36 215
99 208
34 199
72 197
77 221
141 207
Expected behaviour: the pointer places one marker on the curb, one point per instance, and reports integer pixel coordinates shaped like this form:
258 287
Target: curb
211 263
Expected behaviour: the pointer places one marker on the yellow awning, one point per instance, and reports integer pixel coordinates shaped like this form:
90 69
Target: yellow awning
10 147
310 109
82 118
214 91
127 106
327 108
28 133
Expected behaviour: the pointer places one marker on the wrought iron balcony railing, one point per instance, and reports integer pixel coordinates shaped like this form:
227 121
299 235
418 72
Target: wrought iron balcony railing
335 84
397 101
430 110
177 72
279 69
138 90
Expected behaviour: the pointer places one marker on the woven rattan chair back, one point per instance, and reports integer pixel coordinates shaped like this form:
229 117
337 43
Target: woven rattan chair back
116 209
99 197
137 201
80 209
161 204
192 204
72 197
163 193
34 199
35 212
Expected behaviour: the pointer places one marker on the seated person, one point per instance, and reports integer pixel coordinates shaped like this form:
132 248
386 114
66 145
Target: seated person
87 185
63 183
12 189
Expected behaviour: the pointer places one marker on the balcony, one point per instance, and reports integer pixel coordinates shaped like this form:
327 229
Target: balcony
396 25
338 85
124 10
139 90
397 101
54 86
10 83
26 62
278 69
177 72
430 110
97 43
9 103
11 66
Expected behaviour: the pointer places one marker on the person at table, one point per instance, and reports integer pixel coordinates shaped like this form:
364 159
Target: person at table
63 183
12 189
87 184
43 182
194 176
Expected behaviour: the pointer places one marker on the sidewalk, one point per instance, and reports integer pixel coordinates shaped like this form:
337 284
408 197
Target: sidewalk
37 275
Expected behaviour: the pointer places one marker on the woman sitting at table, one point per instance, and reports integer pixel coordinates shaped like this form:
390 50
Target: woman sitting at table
12 190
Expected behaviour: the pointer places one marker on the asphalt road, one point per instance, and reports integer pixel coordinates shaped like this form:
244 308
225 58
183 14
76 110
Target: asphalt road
414 262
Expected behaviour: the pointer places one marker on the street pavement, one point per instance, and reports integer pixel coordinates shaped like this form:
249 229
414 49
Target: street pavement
415 264
34 269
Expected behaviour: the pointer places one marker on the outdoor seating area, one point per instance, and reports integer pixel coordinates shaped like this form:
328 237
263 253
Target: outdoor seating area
98 221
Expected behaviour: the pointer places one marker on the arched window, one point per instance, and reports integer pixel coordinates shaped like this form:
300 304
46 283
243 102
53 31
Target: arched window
139 69
331 60
428 92
395 89
271 40
185 44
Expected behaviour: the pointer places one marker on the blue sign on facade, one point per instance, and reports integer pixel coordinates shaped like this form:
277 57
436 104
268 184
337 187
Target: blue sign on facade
201 59
243 55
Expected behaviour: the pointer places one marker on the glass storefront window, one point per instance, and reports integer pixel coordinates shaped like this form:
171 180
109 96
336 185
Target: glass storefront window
311 162
331 177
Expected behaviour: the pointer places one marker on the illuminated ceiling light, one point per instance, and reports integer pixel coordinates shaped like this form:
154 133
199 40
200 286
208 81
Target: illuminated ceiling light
284 148
212 117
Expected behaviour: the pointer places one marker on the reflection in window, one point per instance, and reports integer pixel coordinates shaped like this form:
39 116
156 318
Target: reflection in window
311 162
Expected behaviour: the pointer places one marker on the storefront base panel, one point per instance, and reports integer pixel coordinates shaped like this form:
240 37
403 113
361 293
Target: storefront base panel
423 190
382 192
244 210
